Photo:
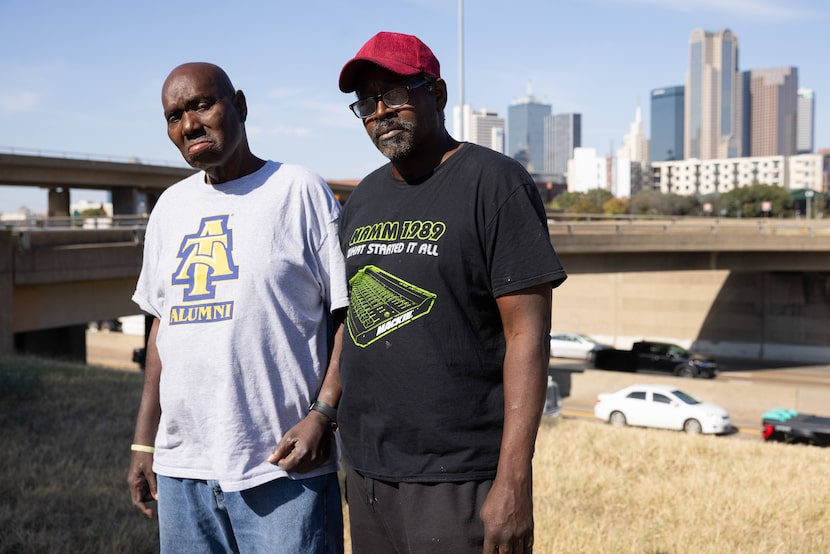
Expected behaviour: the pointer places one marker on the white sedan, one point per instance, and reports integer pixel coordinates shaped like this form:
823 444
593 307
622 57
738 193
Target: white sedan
574 345
662 407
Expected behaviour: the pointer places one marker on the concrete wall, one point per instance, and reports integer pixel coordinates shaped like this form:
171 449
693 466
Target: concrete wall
765 315
52 284
75 303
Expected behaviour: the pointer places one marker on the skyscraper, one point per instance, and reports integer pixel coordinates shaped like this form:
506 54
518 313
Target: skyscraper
563 133
632 159
635 144
487 129
805 128
526 131
773 101
667 124
713 95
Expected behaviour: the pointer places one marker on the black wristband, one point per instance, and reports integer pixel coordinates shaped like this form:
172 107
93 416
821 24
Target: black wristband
324 409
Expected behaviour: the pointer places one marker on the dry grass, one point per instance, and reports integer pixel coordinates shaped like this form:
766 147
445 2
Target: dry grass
65 430
601 489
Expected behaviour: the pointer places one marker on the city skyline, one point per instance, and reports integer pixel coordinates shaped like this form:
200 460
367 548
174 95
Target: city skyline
81 81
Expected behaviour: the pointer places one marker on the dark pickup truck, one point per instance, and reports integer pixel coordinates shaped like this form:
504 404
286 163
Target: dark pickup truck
781 425
657 356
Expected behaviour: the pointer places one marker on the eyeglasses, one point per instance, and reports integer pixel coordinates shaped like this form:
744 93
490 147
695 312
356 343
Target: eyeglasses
392 99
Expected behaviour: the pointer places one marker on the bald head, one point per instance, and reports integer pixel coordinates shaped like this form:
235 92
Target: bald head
207 73
206 120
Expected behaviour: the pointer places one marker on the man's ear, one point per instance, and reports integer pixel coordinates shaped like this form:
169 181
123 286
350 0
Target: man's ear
241 105
439 88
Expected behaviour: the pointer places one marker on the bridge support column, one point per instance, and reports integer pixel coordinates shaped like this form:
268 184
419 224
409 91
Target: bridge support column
6 293
59 202
66 343
125 201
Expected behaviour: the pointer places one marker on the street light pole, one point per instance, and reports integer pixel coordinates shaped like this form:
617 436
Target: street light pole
809 196
462 115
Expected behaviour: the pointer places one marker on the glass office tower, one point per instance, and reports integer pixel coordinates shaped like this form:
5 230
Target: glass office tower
526 132
667 123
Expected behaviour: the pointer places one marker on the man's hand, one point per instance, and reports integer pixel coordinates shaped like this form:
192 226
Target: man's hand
306 446
507 515
142 481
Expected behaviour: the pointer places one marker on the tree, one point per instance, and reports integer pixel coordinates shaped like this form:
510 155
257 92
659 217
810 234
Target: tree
590 202
748 201
615 206
565 200
654 202
598 197
93 212
584 206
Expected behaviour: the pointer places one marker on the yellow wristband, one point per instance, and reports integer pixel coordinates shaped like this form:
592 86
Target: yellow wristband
142 448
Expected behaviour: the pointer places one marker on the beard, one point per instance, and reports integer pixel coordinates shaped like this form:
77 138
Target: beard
399 146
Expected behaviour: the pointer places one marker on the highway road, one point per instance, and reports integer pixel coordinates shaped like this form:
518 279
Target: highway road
112 349
745 389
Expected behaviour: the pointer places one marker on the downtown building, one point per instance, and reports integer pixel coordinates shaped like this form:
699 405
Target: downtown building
667 124
587 171
630 169
563 133
713 97
806 121
695 177
770 105
482 127
526 132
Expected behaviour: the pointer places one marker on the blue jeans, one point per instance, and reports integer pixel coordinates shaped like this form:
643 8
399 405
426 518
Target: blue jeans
302 516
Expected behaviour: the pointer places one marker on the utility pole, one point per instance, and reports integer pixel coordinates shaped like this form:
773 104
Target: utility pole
461 52
462 114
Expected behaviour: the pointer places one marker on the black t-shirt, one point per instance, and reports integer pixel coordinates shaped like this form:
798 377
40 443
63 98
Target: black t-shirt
424 347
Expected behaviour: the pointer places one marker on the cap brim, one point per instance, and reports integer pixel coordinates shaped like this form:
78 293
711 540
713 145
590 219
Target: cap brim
351 71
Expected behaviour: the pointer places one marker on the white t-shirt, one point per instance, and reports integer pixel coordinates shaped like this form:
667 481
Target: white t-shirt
243 277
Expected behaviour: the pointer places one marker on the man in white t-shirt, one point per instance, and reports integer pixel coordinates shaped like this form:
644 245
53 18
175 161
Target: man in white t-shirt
244 277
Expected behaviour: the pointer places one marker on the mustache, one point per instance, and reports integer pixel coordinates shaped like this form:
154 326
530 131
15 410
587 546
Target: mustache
386 126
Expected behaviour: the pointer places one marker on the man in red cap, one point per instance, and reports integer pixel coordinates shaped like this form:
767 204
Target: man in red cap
444 366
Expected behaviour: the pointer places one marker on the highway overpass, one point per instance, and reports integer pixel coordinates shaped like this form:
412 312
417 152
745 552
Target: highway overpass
129 182
736 288
743 288
750 288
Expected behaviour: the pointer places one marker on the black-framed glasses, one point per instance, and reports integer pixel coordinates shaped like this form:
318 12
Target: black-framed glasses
392 99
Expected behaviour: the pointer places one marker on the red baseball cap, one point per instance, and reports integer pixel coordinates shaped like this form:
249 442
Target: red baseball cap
402 54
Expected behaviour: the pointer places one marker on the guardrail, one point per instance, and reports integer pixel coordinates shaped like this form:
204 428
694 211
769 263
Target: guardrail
558 224
79 222
573 224
89 157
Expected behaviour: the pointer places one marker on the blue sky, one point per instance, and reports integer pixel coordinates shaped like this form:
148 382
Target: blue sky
84 77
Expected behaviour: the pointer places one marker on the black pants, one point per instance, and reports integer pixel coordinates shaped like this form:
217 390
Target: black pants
415 518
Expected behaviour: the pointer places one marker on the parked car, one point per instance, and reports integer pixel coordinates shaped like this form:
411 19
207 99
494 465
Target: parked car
657 356
574 345
662 407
